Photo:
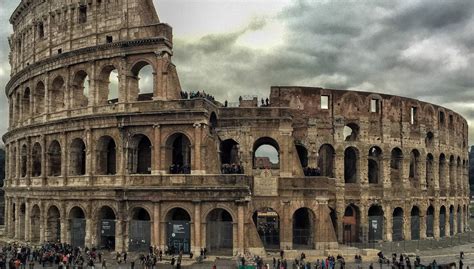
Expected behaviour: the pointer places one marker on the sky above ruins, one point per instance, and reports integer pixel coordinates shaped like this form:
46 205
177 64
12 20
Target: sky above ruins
422 49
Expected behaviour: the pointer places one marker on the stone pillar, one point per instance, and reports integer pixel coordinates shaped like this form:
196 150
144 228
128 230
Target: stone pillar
89 151
422 223
64 222
340 210
89 238
240 227
27 221
197 228
64 153
447 223
364 223
422 172
17 218
436 221
120 235
286 231
155 162
43 220
196 162
388 225
407 223
43 160
156 224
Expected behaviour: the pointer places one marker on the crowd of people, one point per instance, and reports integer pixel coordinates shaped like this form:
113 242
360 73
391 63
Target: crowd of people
198 94
311 172
229 169
180 169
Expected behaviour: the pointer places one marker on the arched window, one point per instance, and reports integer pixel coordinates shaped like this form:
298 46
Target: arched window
266 154
140 155
442 171
25 104
351 222
351 132
36 155
56 95
80 89
230 159
376 223
303 228
77 158
178 154
397 224
414 173
143 80
54 159
39 97
106 156
351 169
326 157
452 172
429 170
108 85
374 163
24 161
396 165
429 139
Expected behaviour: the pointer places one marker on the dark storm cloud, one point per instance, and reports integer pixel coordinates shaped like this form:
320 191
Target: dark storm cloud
420 49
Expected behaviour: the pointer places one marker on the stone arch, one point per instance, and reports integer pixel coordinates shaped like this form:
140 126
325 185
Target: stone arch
80 89
429 113
24 161
376 223
25 103
351 224
415 223
442 172
179 230
212 122
351 167
230 157
429 170
302 152
108 85
459 174
139 154
430 221
326 160
451 220
22 221
429 139
459 219
351 132
396 165
13 173
219 231
267 222
139 229
397 224
56 94
143 74
106 156
35 220
266 153
303 228
415 168
77 157
39 97
452 173
374 163
178 153
352 103
77 225
53 227
54 159
442 221
106 217
37 159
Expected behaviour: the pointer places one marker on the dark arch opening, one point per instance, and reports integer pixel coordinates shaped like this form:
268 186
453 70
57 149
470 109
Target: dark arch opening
36 155
266 154
396 165
54 159
414 173
140 230
397 224
80 89
24 161
106 227
442 221
139 156
351 224
179 154
326 157
230 159
178 231
373 163
350 165
415 223
39 97
303 227
53 227
143 79
77 162
219 232
106 156
376 223
267 222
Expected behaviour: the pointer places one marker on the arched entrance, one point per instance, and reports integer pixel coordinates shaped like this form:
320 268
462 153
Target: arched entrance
35 224
451 220
442 221
21 227
139 155
267 222
179 154
459 220
430 221
415 223
351 224
303 227
375 223
266 154
53 225
140 230
106 228
178 230
397 224
77 227
106 156
219 232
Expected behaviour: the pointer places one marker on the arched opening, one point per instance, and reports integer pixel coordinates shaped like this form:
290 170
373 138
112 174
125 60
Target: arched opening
459 220
397 224
267 222
429 170
108 85
13 164
429 139
53 227
326 157
35 224
140 230
219 232
143 76
230 159
452 173
106 156
14 220
442 172
80 89
139 155
24 161
36 155
39 97
179 154
351 132
54 159
56 94
77 225
396 166
376 223
351 169
415 223
303 157
266 154
430 221
442 221
351 223
303 228
106 228
451 220
21 224
77 158
374 163
25 104
178 231
212 123
414 173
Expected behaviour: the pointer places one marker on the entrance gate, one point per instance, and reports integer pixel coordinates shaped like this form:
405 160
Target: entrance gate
78 232
415 227
107 234
397 234
179 236
429 225
139 235
375 228
219 235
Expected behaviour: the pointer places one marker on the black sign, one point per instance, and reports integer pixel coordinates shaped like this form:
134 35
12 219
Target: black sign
107 228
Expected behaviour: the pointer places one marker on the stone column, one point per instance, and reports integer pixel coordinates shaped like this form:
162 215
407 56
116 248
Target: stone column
89 238
407 223
423 223
64 153
388 225
43 160
43 220
17 218
422 172
27 221
436 221
286 231
196 164
340 210
89 151
197 227
156 223
364 223
155 162
119 235
240 227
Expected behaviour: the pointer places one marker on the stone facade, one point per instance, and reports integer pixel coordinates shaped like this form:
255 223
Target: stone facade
139 169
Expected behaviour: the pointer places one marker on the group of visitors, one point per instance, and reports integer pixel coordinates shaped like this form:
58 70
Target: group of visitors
234 168
198 94
180 169
311 172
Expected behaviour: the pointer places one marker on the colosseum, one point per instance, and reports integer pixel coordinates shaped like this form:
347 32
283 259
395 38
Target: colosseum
96 159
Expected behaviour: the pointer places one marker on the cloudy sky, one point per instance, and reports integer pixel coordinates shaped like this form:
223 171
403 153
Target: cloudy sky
416 48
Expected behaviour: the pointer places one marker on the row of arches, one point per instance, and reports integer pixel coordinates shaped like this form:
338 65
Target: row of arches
80 89
352 231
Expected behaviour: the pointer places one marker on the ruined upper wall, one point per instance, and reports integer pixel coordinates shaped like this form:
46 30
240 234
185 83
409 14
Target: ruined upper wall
46 28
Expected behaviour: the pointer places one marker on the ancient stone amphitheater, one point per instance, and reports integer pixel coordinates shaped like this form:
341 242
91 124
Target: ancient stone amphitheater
95 160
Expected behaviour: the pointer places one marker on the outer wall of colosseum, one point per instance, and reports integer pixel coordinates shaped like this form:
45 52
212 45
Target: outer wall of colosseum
94 166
